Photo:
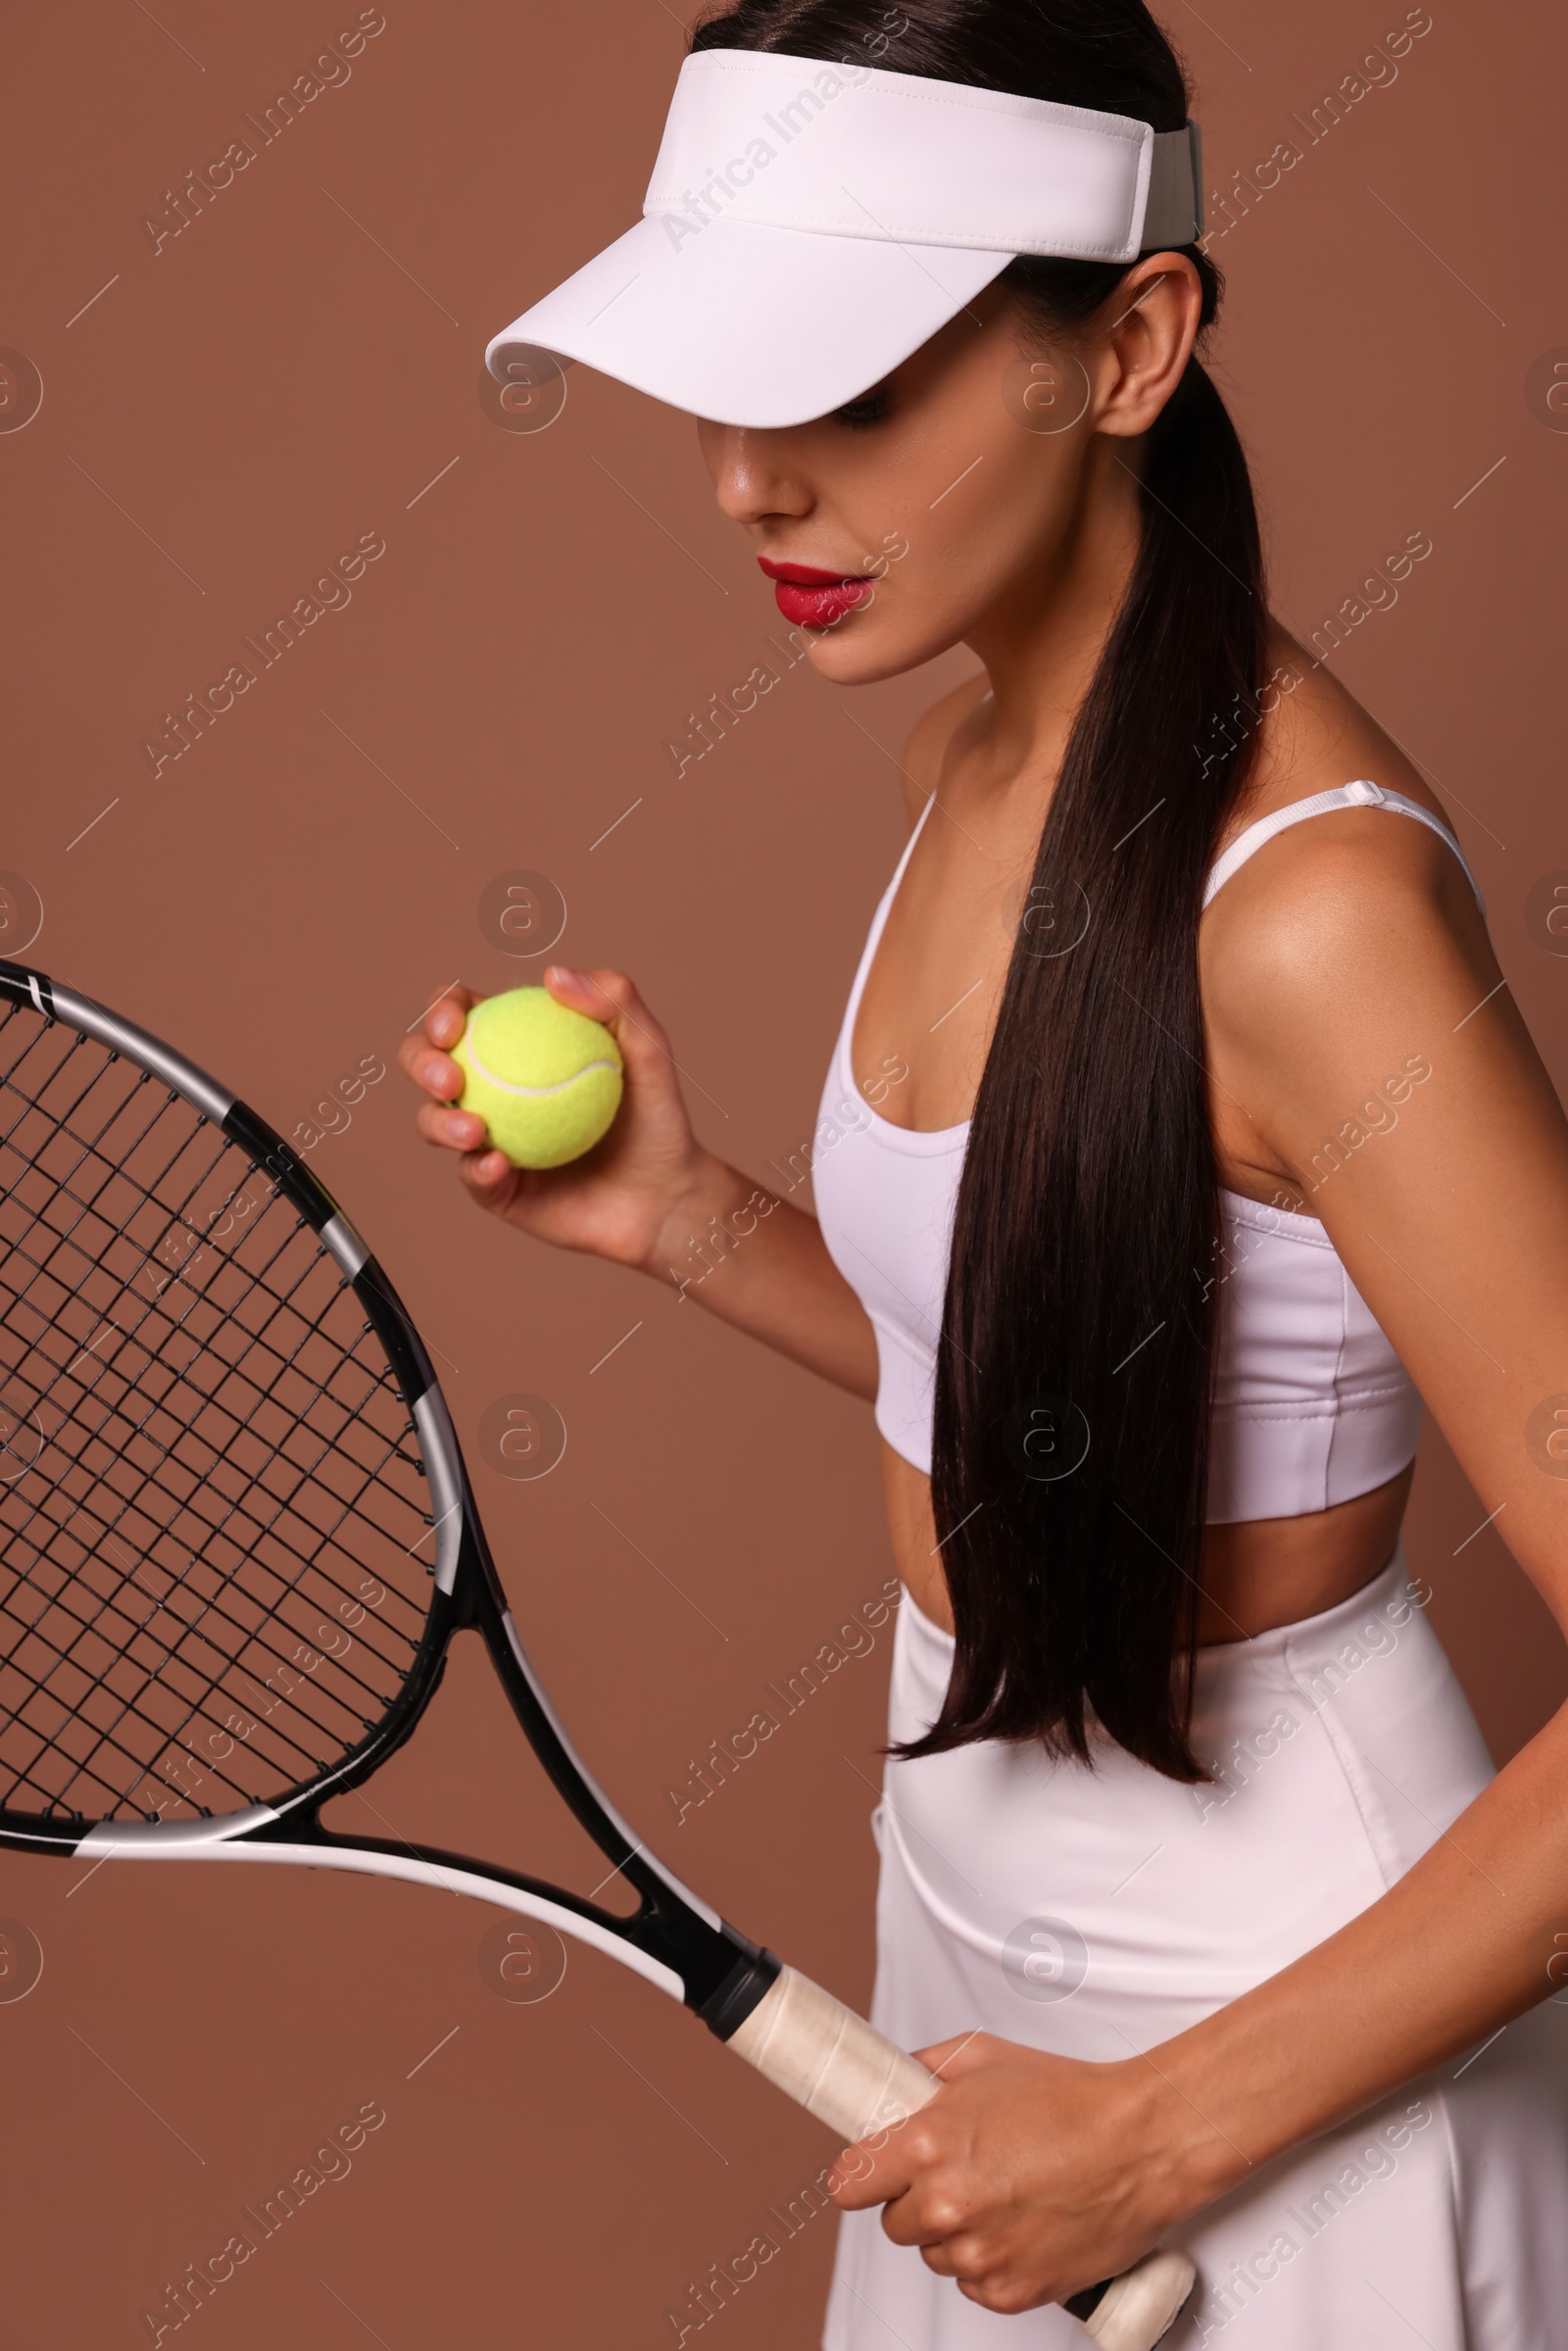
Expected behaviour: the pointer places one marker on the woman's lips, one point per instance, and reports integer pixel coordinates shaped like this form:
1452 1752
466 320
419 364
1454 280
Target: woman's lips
814 599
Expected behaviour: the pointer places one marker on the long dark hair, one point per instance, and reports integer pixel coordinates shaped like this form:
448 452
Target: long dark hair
1074 1367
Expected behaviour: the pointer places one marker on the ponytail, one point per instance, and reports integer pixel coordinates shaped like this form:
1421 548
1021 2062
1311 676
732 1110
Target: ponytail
1074 1367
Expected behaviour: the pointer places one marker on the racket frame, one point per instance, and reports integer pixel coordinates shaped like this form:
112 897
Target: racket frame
673 1938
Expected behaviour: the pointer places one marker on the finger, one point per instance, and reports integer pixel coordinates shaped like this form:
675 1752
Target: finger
582 991
447 1016
996 2293
870 2172
940 2258
451 1130
490 1176
611 996
435 1073
916 2219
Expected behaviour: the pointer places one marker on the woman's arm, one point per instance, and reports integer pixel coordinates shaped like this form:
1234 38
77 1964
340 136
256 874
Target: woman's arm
1358 1012
1358 1020
650 1197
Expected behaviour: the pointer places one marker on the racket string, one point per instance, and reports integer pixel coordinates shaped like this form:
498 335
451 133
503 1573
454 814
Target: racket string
261 1464
251 1638
29 1774
313 1329
191 1627
196 1647
256 1281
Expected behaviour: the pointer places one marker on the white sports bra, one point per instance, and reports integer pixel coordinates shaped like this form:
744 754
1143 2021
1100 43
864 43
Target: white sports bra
1311 1403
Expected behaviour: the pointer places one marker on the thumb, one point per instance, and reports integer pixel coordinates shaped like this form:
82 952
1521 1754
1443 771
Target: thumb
610 997
951 2060
578 992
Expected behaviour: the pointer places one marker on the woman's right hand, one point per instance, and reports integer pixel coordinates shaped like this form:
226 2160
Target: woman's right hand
619 1199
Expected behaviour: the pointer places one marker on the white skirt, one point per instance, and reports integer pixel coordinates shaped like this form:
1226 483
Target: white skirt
1096 1913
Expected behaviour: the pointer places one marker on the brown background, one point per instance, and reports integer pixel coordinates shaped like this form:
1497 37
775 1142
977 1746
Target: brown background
222 419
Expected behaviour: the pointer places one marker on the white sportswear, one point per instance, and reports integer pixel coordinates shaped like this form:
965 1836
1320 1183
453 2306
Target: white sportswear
1311 1404
1097 1912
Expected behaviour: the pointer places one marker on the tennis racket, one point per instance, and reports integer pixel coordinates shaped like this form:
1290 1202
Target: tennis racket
237 1539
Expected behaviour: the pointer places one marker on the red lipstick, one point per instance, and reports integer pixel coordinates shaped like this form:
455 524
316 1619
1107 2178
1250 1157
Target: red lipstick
814 599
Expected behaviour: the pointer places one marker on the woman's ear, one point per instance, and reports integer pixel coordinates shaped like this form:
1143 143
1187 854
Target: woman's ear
1138 358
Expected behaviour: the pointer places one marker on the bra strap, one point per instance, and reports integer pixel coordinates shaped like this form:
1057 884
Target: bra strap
1359 795
873 937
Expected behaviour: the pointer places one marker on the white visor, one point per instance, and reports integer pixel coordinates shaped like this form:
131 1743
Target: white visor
808 226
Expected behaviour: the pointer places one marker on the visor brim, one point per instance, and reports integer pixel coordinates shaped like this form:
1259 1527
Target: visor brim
746 324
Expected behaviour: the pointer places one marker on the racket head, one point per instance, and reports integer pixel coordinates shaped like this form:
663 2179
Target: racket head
227 1542
237 1534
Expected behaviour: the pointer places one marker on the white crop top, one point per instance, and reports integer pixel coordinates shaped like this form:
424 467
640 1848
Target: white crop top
1311 1403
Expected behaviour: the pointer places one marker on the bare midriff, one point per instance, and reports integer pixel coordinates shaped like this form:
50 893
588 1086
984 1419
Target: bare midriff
1255 1575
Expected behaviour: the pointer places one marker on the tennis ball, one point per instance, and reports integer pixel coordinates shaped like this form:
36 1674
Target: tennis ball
545 1080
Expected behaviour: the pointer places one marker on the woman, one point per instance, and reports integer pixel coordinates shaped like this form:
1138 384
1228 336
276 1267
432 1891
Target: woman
1215 1138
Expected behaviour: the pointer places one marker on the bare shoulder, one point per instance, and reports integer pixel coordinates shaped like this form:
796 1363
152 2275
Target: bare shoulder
1344 902
928 740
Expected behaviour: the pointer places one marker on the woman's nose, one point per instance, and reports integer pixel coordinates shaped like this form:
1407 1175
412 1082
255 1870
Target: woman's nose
754 472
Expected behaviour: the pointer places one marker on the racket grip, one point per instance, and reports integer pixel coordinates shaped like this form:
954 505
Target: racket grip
839 2067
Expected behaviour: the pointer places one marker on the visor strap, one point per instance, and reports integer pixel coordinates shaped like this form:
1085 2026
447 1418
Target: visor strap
1174 212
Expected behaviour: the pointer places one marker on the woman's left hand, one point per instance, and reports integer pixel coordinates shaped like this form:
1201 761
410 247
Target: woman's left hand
1030 2176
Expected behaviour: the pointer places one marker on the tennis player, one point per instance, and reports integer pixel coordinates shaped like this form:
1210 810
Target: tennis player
1179 1139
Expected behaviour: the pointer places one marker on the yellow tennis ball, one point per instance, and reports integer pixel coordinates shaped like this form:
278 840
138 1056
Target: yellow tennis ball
545 1080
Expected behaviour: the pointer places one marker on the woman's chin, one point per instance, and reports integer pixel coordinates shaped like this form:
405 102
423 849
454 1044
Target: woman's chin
860 652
